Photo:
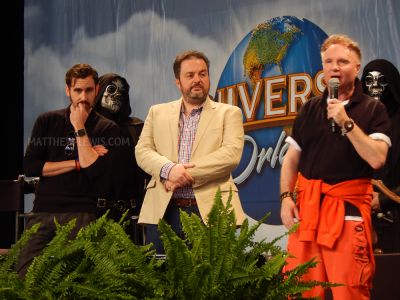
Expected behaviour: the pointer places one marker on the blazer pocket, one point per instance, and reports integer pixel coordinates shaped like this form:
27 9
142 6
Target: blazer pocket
151 184
226 186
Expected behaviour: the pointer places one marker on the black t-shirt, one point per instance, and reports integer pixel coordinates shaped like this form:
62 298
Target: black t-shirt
331 156
75 191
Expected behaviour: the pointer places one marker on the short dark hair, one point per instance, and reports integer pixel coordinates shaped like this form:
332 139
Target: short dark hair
188 55
81 71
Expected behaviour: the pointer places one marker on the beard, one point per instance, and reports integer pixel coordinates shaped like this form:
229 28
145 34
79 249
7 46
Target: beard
86 105
196 96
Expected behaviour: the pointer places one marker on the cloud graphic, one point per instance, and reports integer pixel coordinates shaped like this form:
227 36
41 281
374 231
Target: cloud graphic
142 50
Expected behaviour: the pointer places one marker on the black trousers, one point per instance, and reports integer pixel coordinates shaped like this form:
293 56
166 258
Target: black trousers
46 232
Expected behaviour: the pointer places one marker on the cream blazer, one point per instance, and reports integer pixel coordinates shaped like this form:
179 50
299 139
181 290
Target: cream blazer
216 152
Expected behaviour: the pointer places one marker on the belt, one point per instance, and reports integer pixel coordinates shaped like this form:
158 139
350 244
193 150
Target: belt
183 202
120 205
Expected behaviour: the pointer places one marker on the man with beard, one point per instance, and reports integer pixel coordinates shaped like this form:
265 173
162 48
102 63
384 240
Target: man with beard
190 147
126 180
381 80
62 151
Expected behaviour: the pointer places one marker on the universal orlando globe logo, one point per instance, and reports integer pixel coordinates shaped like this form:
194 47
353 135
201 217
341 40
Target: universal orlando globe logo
269 75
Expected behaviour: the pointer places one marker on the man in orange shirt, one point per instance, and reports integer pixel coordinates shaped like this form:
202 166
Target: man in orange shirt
336 144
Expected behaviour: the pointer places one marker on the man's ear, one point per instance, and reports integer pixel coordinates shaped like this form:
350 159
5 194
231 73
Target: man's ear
67 91
178 83
97 88
358 67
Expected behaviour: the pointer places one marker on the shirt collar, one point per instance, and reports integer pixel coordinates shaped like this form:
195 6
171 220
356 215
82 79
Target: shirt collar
194 111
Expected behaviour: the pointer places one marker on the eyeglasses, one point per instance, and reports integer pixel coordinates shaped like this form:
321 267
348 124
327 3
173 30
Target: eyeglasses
70 147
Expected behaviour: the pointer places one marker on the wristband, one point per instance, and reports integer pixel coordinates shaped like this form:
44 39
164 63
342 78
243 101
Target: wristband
77 165
284 195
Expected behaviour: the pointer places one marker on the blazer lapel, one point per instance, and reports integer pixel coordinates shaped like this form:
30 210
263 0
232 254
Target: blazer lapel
205 119
173 121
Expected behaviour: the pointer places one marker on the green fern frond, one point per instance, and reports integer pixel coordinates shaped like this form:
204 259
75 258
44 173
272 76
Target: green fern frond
178 256
37 277
11 286
213 261
194 230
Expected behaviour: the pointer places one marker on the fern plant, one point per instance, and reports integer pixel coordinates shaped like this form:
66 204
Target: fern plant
100 263
214 261
11 287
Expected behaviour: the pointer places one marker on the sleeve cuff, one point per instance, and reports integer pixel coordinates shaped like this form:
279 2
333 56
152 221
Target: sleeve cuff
381 137
164 173
293 143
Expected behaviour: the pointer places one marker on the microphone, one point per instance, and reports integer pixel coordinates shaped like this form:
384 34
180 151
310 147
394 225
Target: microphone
333 89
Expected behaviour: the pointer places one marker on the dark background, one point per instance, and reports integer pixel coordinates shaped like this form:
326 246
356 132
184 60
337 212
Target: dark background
12 95
12 87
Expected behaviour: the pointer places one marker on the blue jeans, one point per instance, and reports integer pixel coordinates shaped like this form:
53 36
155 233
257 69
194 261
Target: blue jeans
171 216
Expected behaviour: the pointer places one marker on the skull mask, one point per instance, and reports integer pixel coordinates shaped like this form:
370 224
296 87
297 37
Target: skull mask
113 94
376 83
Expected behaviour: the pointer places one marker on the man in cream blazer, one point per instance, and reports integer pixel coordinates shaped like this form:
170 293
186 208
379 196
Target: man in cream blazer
190 147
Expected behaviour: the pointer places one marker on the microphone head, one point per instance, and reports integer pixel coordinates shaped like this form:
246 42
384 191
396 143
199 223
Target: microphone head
334 82
333 88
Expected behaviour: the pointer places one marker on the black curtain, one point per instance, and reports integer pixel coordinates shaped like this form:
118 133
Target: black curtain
12 90
12 87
